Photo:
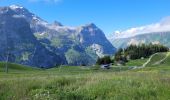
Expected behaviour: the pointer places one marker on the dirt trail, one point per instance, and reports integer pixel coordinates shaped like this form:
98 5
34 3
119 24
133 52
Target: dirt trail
162 60
147 62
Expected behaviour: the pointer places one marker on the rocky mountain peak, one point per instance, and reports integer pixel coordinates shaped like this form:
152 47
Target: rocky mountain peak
90 25
58 43
14 7
90 28
20 10
6 11
56 23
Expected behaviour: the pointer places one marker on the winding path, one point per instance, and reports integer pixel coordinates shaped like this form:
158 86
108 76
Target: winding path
144 65
157 63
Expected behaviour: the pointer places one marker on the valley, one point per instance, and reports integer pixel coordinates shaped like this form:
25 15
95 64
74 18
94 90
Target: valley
88 83
78 59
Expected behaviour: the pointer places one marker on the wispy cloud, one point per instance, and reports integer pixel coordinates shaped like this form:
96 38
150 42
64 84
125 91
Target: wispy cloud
161 26
45 1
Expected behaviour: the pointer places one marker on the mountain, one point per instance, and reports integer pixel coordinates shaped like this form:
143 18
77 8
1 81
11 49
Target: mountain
154 38
18 42
155 33
55 43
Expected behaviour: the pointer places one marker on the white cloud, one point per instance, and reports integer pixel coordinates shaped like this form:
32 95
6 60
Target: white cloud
46 1
162 26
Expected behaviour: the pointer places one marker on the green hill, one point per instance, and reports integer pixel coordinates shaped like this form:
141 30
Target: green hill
83 83
166 62
137 62
158 62
15 67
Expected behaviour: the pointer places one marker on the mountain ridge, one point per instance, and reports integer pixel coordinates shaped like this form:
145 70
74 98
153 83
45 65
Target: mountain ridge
154 38
80 45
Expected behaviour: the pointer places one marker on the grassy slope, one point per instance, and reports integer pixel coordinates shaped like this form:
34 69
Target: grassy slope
15 67
167 61
156 58
138 62
84 83
162 67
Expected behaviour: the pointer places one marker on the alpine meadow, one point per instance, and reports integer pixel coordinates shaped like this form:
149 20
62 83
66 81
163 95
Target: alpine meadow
120 53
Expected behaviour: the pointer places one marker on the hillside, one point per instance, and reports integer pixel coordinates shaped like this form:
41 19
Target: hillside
157 62
16 67
69 82
18 43
155 38
77 82
35 42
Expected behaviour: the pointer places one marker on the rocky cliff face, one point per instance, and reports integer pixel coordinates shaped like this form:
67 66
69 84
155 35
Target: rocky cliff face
18 42
55 42
91 36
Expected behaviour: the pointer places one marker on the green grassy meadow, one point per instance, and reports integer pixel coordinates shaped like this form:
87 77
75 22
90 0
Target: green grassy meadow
87 83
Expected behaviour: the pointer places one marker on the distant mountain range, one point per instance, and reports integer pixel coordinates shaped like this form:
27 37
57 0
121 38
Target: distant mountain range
28 39
156 33
154 38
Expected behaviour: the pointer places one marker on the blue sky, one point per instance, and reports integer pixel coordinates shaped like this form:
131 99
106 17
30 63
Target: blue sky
109 15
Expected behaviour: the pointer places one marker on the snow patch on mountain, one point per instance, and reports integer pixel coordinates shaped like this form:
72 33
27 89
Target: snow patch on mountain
14 7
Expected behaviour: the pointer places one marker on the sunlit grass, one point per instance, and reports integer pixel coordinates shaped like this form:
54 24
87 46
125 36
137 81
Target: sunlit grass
85 83
138 62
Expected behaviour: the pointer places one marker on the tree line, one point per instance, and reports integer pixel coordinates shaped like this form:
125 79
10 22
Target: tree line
133 52
104 60
139 51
